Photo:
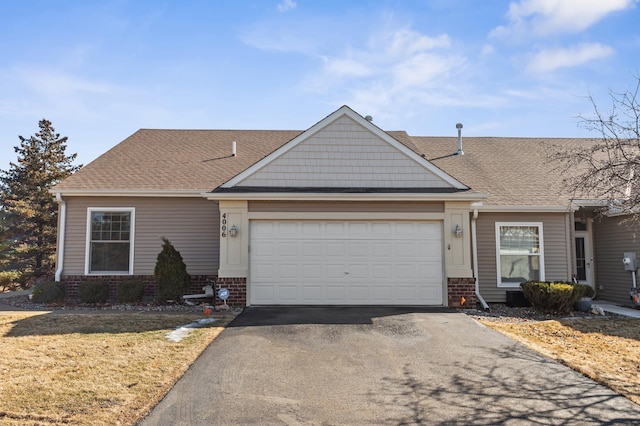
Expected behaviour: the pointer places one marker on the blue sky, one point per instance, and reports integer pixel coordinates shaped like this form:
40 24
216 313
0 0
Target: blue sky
100 70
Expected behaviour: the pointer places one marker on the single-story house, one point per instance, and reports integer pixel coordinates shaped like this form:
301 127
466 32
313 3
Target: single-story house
343 213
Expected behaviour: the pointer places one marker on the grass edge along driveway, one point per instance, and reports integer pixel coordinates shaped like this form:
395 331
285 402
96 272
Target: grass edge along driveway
607 350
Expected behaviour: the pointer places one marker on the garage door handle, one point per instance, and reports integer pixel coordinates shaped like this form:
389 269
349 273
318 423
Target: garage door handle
346 273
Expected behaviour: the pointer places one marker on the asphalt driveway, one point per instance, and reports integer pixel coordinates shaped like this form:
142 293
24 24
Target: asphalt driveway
365 366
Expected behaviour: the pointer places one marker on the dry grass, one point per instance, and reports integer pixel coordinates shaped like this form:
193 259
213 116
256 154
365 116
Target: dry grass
606 350
98 369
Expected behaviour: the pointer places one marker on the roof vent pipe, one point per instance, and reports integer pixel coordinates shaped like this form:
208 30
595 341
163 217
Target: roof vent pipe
233 148
460 151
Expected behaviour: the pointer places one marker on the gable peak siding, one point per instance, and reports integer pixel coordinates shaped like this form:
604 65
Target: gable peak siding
344 154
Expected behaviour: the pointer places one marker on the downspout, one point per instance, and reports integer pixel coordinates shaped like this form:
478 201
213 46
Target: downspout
474 248
62 225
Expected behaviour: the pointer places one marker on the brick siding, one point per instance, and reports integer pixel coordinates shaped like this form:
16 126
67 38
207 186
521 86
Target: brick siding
457 288
237 286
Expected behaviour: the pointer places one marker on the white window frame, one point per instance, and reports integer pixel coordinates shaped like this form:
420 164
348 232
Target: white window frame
540 255
87 255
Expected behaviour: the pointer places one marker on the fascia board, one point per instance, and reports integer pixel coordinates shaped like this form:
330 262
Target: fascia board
278 196
195 193
524 209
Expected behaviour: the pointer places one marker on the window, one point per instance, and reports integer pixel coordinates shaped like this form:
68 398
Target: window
110 241
520 255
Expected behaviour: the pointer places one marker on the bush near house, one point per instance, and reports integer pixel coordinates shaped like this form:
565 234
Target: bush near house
171 273
129 291
93 292
587 290
48 292
555 297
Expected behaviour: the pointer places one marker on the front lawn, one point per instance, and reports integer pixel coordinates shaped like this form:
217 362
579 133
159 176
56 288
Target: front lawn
95 368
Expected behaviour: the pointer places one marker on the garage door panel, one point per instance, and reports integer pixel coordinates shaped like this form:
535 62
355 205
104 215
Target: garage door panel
288 271
312 248
357 230
335 271
382 230
288 293
406 270
346 262
382 294
264 249
336 294
287 249
382 249
358 249
312 292
359 271
264 294
358 294
382 271
263 271
335 230
311 271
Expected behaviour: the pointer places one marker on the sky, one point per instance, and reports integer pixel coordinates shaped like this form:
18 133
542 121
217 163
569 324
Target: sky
100 70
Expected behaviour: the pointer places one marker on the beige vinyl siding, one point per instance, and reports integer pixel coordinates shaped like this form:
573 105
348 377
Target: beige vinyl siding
191 224
557 260
345 154
342 206
612 239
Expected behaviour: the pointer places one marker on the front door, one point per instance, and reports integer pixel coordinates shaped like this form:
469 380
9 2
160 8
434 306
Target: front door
584 259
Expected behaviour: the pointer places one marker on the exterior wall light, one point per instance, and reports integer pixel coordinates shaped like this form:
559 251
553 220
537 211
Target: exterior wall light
457 231
233 231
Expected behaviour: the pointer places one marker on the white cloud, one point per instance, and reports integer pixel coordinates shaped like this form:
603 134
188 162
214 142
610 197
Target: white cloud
346 67
546 17
393 64
487 50
552 59
286 6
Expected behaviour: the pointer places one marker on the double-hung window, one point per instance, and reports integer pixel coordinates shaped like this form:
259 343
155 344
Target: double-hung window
519 252
110 240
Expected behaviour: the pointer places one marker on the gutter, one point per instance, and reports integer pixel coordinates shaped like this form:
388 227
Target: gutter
474 245
62 225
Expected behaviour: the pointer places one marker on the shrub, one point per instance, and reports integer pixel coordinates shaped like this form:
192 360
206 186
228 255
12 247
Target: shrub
556 297
48 292
171 273
8 280
129 291
587 290
93 291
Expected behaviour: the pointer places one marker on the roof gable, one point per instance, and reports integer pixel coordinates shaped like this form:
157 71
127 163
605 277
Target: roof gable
344 150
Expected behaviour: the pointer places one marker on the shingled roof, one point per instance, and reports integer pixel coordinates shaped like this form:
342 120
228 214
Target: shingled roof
513 171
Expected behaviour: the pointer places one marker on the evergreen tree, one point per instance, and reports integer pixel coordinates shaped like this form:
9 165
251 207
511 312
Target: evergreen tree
28 209
171 273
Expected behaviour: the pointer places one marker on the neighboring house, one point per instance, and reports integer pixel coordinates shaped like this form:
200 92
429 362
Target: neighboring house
343 213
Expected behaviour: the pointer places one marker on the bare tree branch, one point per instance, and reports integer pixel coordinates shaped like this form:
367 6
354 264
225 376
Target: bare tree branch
607 168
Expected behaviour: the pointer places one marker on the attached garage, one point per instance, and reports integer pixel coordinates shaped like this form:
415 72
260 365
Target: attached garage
338 262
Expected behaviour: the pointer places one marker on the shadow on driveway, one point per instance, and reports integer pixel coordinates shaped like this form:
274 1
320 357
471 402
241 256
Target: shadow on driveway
290 315
366 366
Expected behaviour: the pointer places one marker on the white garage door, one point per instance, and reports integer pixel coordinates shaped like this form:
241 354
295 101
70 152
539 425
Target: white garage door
345 263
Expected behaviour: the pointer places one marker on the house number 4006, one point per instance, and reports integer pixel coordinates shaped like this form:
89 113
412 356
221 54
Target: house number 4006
223 225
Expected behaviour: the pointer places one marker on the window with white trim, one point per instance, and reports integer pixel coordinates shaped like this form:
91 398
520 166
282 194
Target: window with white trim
110 240
519 253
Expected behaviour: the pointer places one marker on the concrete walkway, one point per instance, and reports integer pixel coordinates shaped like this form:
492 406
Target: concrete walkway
617 309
